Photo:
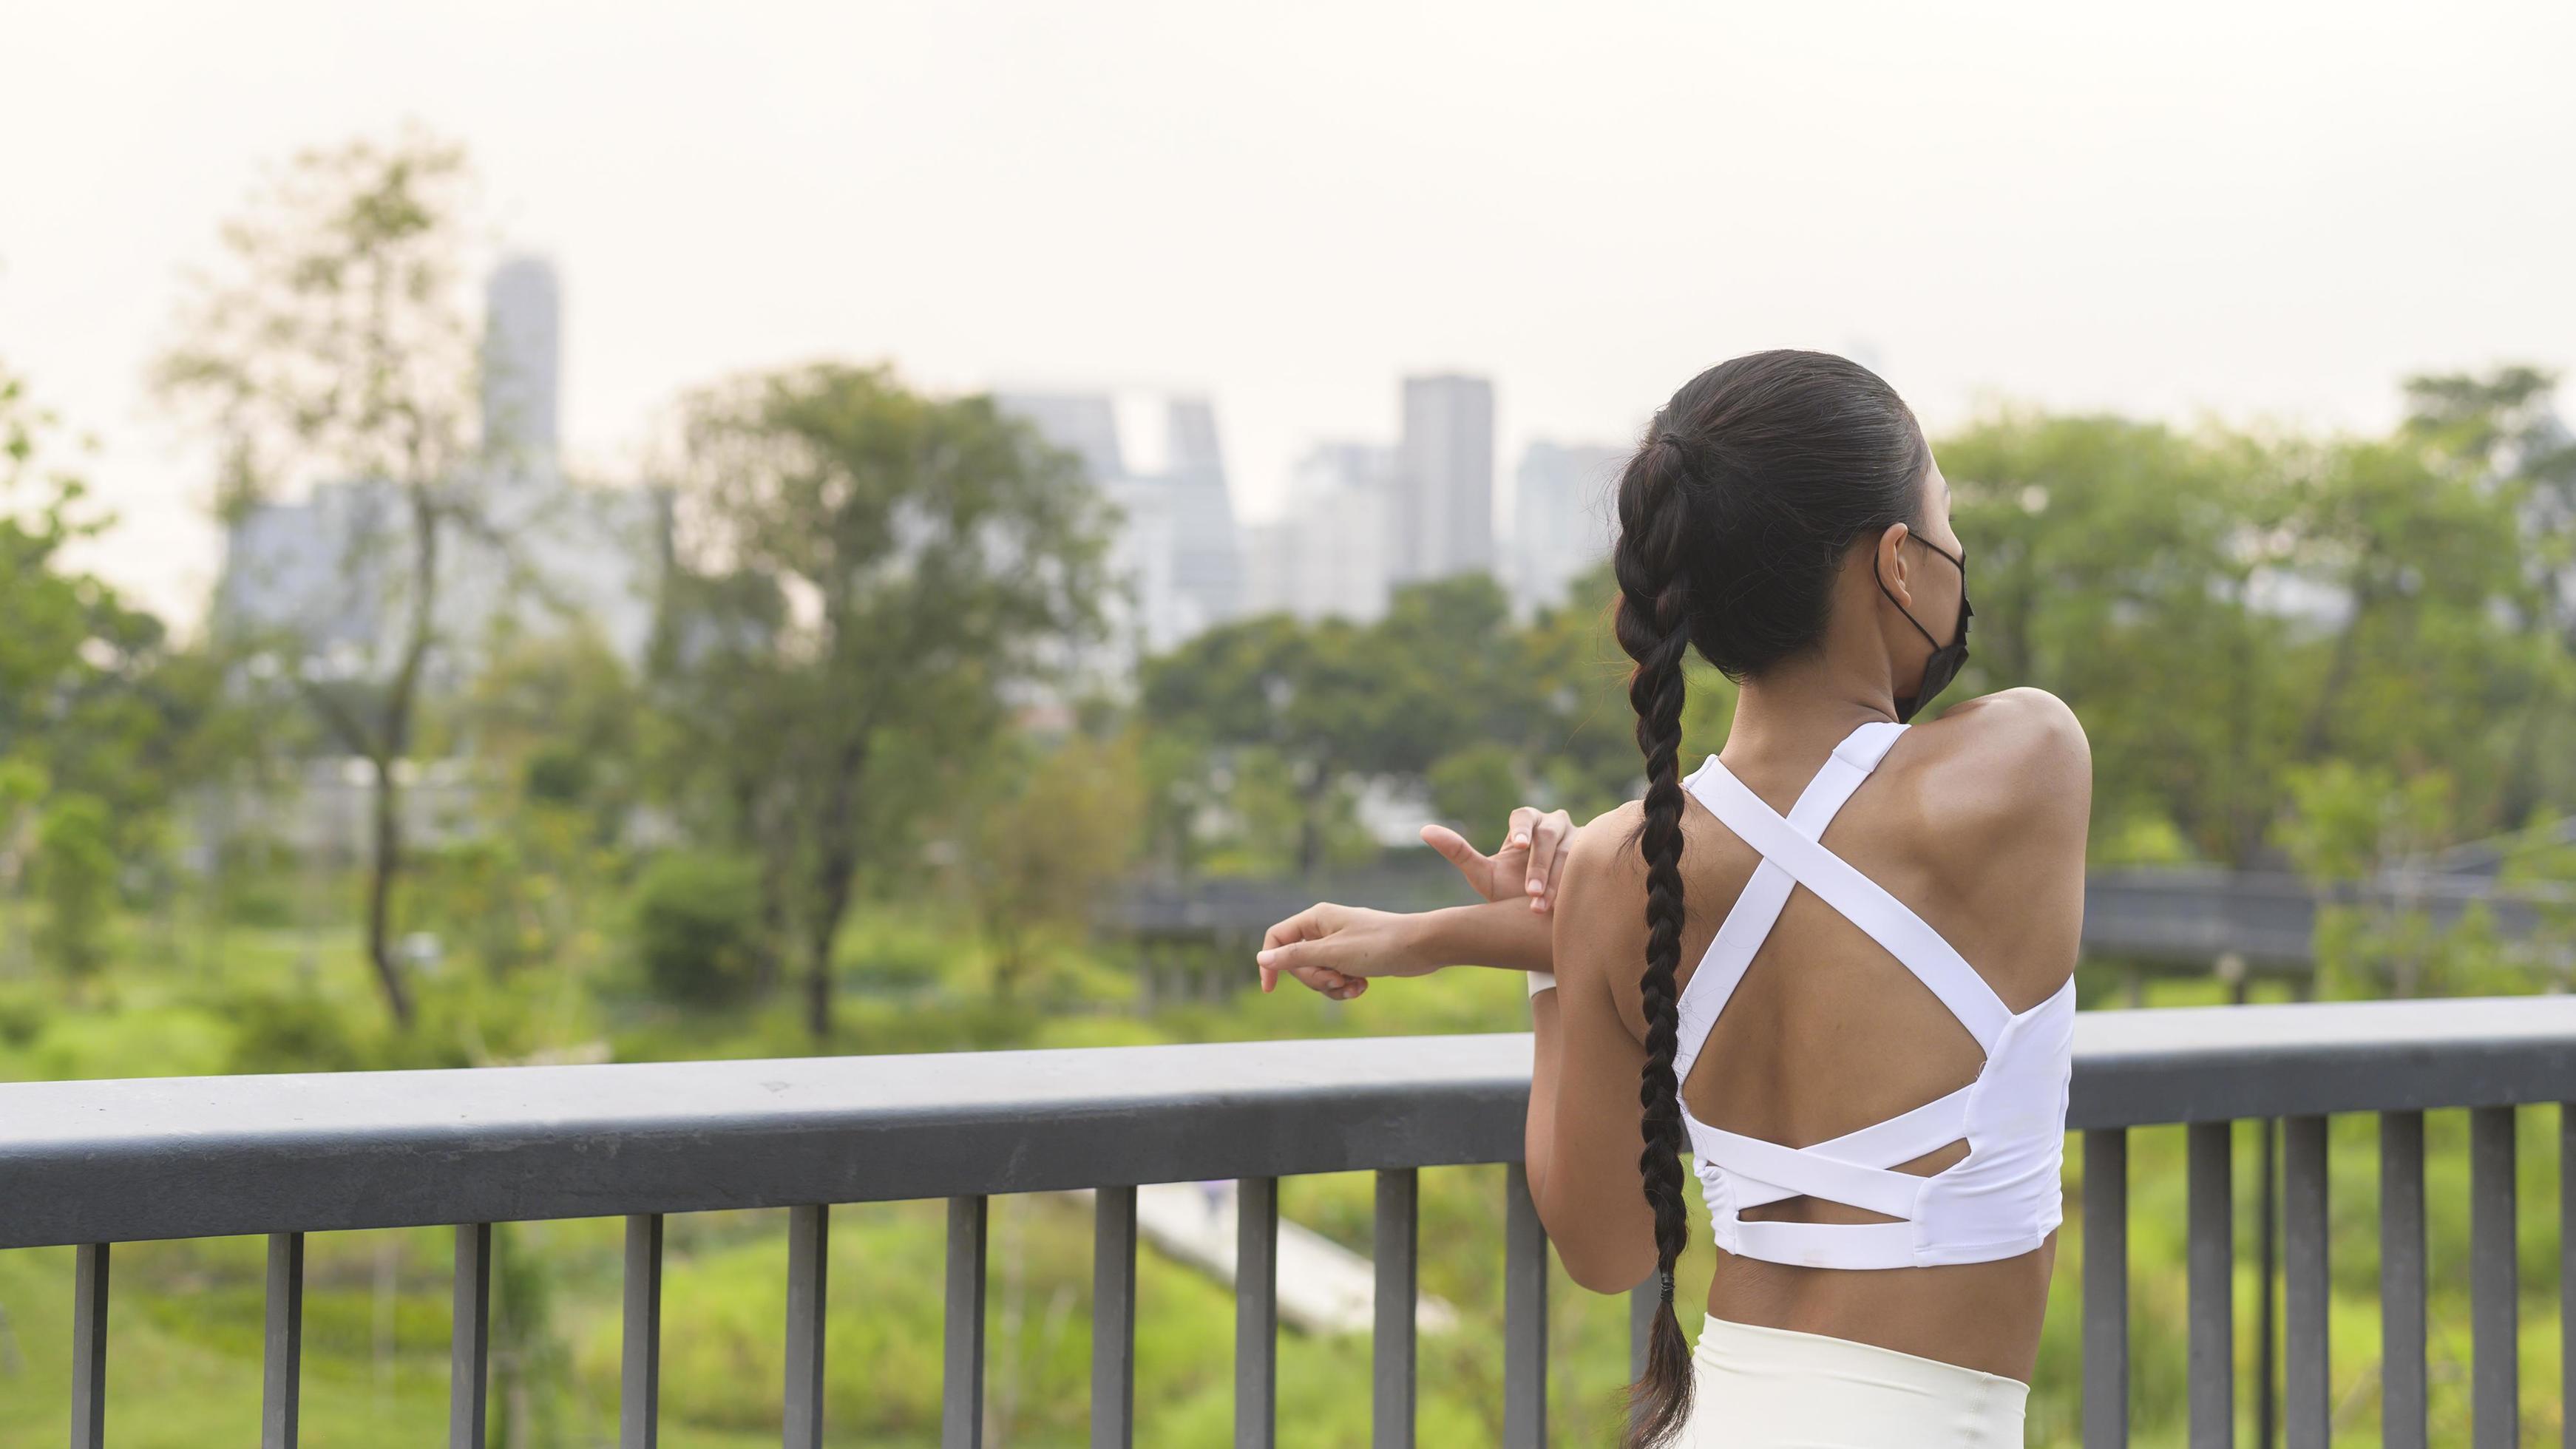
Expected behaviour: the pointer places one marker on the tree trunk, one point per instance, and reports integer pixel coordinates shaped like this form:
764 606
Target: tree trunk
836 868
383 860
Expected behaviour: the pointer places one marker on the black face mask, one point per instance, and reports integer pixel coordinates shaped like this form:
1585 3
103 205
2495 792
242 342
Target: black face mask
1943 665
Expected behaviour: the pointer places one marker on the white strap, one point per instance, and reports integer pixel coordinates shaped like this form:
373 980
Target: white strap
1810 1174
1902 1138
1825 1245
1887 920
1757 908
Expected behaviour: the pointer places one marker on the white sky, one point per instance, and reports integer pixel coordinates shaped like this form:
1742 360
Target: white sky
2258 208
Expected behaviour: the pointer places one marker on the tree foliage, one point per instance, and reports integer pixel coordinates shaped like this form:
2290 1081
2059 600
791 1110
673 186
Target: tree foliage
875 578
339 347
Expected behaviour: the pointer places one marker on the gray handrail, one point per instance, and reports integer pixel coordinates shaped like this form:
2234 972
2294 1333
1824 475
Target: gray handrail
98 1163
116 1161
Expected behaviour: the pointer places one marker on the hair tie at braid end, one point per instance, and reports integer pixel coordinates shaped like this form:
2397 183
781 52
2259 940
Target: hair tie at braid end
1668 1287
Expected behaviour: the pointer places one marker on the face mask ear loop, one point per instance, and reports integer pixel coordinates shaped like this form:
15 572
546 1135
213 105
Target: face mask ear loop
1881 580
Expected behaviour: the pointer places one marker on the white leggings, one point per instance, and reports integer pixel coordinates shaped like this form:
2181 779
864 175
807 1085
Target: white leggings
1773 1388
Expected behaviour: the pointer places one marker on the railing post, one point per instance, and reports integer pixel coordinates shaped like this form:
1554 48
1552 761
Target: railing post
2106 1288
1645 1301
282 1355
2403 1402
961 1420
2267 1255
2211 1266
1113 1318
2567 1270
1392 1351
2494 1327
2309 1289
89 1347
469 1339
809 1254
1524 1316
639 1379
1256 1313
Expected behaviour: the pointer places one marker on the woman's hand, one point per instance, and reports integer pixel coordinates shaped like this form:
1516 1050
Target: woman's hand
1529 863
1335 949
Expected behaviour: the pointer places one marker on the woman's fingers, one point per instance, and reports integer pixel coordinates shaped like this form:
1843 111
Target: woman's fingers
1454 849
1296 946
1547 835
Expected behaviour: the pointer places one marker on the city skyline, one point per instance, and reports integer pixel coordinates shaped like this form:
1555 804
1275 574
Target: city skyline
2260 213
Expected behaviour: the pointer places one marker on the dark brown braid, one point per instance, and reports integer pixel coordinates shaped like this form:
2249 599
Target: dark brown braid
1654 626
1733 518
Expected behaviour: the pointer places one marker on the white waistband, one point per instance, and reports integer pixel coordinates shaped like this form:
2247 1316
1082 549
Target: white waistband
1772 1388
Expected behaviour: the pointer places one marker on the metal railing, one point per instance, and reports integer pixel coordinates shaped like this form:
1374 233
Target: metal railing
91 1164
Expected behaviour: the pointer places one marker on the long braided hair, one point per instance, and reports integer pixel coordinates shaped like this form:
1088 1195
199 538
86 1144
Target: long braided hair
1734 515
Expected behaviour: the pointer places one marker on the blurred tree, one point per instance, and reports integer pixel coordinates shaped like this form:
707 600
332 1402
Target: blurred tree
2121 565
697 928
2501 430
1054 828
1313 698
883 572
2347 826
76 879
342 347
99 717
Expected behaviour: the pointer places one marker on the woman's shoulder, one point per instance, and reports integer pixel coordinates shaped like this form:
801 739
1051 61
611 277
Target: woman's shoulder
2015 759
2005 783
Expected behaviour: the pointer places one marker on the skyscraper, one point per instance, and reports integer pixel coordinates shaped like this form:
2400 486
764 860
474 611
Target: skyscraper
1563 516
1444 513
522 363
1325 555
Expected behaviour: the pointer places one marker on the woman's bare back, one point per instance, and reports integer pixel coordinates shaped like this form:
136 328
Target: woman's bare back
1976 822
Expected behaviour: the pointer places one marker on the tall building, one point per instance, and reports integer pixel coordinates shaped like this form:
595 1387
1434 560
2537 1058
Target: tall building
522 360
1564 515
1444 513
1176 544
1326 555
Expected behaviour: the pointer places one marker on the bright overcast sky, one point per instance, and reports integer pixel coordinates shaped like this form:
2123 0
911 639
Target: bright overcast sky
2255 208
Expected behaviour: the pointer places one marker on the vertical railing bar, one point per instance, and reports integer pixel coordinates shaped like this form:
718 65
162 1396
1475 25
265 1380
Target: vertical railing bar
89 1347
2403 1401
2211 1266
2308 1407
469 1339
961 1416
809 1243
1113 1318
282 1355
1256 1313
2267 1267
1524 1316
639 1386
2106 1288
1392 1352
2494 1377
1644 1302
2567 1270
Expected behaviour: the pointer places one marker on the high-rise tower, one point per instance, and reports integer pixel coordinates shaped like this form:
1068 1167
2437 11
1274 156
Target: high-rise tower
1444 513
522 348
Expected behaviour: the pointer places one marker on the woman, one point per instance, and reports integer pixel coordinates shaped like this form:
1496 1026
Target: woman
1834 961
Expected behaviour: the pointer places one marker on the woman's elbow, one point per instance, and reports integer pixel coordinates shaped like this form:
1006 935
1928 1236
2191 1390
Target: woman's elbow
1604 1267
1600 1257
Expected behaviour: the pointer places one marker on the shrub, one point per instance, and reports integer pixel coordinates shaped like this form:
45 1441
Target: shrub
697 933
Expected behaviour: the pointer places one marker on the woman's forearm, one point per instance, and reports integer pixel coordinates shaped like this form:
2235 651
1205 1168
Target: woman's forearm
1505 933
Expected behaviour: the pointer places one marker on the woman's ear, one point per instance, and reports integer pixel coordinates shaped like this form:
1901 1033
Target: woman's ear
1888 558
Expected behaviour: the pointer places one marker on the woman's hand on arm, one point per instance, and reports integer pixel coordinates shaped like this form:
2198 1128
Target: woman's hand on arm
1527 867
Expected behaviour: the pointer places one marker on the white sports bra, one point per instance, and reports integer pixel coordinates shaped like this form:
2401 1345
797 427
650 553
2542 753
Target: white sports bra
2003 1198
